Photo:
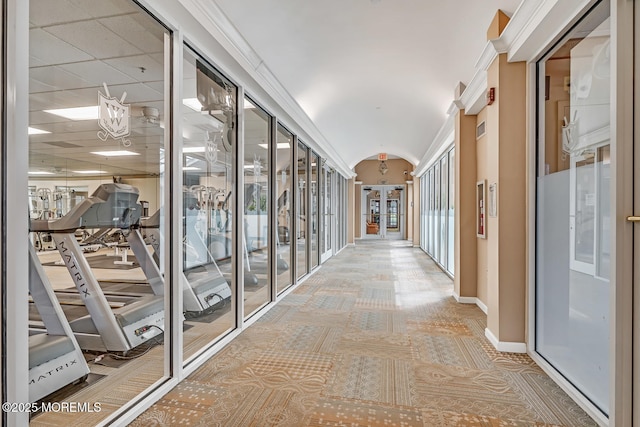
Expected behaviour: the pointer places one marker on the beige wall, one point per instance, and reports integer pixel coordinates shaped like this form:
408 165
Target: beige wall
482 171
465 265
512 234
501 161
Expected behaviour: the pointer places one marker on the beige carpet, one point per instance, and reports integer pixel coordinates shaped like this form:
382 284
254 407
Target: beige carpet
372 339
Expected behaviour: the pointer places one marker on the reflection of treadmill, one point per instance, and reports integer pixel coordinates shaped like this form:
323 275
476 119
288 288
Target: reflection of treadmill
55 359
201 295
205 288
137 319
252 196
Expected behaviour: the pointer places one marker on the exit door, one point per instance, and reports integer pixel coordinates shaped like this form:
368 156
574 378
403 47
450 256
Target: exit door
383 212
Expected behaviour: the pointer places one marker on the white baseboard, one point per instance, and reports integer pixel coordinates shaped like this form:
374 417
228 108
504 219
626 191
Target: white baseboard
504 346
482 305
471 300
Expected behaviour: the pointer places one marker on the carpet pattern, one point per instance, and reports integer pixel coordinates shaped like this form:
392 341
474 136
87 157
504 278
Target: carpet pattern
372 339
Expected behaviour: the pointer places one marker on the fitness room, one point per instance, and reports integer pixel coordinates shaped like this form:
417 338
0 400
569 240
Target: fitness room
165 213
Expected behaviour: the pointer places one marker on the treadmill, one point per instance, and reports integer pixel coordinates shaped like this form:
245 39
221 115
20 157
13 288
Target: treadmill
134 320
205 289
55 359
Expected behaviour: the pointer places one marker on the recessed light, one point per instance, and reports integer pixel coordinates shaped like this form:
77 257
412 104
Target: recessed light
115 153
40 173
280 145
78 113
90 172
35 131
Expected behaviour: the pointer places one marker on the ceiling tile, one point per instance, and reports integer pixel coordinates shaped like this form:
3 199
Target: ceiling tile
94 38
47 49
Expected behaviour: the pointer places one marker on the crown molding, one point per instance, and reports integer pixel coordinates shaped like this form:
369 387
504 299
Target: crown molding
537 24
533 27
211 17
444 138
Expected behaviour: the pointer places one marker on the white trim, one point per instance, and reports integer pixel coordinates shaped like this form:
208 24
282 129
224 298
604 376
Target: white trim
482 306
473 98
211 17
568 388
444 138
505 346
471 300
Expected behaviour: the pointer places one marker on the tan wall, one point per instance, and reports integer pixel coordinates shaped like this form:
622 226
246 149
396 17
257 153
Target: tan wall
482 170
367 172
465 265
501 161
512 166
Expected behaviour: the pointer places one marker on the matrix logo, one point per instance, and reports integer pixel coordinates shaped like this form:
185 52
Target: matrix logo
115 117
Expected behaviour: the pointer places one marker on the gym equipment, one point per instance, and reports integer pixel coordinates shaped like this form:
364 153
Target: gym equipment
204 287
135 320
55 359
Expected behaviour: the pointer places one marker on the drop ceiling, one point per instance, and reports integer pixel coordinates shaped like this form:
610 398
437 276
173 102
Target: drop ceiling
373 76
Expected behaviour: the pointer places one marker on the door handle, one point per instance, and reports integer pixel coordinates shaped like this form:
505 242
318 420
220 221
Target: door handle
633 218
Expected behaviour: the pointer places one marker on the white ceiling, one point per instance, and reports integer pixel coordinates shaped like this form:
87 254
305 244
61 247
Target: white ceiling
373 75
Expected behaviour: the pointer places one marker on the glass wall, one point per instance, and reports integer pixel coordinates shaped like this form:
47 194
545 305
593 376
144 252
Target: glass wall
209 132
132 199
315 210
257 168
98 97
327 194
438 197
283 187
301 211
450 213
574 196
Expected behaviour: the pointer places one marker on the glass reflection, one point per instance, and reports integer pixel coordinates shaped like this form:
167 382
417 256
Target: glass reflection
209 135
256 259
573 208
96 170
301 214
315 161
283 191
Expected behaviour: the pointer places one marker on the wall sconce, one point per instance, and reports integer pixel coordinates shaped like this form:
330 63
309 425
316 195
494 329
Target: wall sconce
383 167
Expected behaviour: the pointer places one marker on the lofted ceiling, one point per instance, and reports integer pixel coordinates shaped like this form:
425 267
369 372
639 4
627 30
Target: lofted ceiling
373 75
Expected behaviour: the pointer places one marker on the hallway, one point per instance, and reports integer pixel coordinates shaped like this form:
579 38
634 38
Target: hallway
374 338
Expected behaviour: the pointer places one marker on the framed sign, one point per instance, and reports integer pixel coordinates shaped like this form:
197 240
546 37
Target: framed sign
481 219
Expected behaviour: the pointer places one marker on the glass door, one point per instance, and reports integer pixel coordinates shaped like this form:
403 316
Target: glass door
573 218
383 212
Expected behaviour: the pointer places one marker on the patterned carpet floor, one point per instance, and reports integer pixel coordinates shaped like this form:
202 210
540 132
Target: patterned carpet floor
372 339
